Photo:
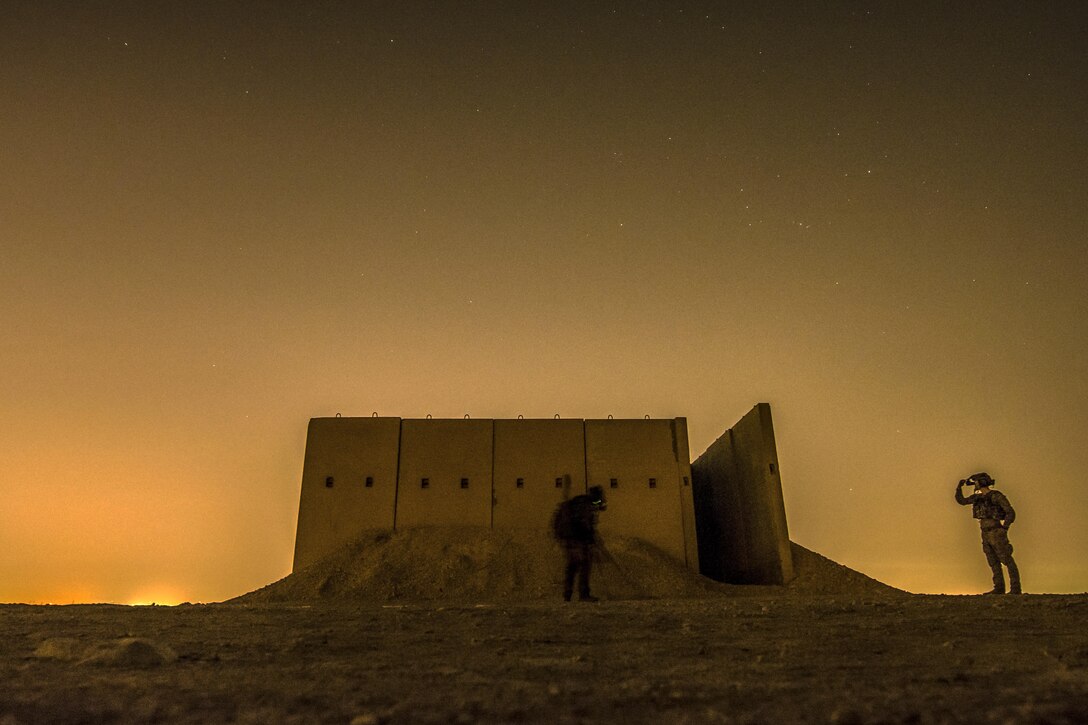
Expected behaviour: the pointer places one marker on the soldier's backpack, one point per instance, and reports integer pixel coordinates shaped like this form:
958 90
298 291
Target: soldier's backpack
563 522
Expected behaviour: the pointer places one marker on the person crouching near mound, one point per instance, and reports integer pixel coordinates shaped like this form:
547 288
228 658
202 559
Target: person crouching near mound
995 515
575 527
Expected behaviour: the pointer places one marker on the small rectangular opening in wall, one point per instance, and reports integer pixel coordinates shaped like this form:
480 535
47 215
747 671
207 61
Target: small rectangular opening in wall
425 483
559 482
653 483
520 483
613 483
772 468
328 481
464 483
369 483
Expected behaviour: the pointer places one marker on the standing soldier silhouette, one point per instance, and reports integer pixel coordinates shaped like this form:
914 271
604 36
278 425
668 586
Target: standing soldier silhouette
995 516
575 527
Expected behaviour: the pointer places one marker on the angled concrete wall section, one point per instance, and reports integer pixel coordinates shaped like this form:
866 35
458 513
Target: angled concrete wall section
532 460
739 511
349 483
445 473
640 465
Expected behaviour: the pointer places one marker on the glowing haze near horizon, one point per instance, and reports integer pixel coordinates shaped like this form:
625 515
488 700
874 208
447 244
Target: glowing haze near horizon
218 220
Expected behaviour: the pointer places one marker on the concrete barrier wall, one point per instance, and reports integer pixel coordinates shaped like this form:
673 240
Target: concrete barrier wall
740 514
349 483
363 473
531 456
445 473
636 462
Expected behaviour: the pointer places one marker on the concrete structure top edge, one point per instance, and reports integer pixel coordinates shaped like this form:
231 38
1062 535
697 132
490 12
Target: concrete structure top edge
356 417
534 420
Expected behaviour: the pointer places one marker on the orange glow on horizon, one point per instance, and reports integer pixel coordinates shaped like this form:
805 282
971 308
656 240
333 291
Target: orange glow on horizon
157 594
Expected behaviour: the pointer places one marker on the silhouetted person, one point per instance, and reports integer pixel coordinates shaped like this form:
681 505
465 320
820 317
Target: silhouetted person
575 526
995 516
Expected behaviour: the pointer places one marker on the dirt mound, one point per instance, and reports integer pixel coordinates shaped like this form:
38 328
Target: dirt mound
470 564
816 574
477 564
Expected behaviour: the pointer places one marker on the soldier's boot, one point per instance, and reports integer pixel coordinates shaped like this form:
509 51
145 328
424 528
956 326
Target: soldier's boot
999 582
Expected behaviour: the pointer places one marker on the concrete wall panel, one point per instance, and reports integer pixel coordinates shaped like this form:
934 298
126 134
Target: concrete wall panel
740 514
455 458
636 463
343 455
530 457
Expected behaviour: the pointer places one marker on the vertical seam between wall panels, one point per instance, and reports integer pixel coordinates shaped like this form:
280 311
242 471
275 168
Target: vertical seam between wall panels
585 457
491 502
396 482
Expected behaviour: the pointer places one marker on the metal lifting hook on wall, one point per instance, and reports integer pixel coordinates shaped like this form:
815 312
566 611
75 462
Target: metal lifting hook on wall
466 416
374 414
337 415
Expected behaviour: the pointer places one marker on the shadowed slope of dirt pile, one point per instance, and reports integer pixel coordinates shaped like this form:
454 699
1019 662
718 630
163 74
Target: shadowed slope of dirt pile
477 564
469 564
816 574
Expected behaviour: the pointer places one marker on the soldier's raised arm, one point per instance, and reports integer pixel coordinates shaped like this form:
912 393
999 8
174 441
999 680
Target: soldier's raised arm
960 498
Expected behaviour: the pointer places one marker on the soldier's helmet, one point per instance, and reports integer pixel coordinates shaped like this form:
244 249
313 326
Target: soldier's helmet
981 480
596 495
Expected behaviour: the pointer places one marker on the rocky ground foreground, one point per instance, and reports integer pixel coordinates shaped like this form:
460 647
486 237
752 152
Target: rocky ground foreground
477 633
808 658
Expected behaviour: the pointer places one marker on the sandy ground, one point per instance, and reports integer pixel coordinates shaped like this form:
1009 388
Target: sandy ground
463 625
784 658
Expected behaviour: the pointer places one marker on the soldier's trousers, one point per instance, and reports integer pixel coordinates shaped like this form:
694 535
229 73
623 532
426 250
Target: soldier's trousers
579 562
998 550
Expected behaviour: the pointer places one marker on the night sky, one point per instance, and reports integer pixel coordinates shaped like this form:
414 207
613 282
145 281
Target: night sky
218 220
